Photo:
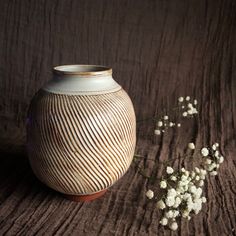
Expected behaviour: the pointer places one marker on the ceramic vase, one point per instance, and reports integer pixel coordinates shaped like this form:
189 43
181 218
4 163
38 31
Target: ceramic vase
81 131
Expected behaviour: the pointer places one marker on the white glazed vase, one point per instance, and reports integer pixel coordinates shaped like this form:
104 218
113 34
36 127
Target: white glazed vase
81 131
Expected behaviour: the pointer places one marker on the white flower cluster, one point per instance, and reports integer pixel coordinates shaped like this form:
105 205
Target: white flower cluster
163 124
212 158
188 107
182 195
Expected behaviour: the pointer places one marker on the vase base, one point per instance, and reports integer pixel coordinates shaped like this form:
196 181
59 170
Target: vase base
85 198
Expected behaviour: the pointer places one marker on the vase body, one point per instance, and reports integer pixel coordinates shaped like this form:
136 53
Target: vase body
81 131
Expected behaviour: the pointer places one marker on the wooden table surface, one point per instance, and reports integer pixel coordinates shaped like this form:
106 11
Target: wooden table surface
159 50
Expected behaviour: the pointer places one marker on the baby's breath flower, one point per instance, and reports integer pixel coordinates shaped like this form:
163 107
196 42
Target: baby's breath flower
161 205
170 201
195 102
190 112
171 124
205 152
190 105
216 154
177 201
201 183
178 125
197 177
180 99
150 194
203 172
217 144
185 213
192 174
169 170
171 192
159 123
194 111
191 146
185 114
164 221
193 189
173 178
163 184
166 117
175 213
213 173
173 226
221 159
197 170
214 147
187 98
169 214
204 199
157 132
208 161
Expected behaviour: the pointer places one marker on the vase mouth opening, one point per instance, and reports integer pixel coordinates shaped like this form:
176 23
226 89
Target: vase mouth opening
87 70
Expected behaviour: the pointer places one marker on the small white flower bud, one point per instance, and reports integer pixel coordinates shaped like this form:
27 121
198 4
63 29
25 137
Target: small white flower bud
185 213
204 199
163 184
173 178
169 214
169 170
221 159
195 102
191 146
173 226
213 173
204 152
175 213
214 147
178 125
216 154
208 161
164 221
159 123
161 205
197 178
180 99
150 194
201 183
170 201
157 132
187 98
185 114
171 124
217 144
190 105
190 112
193 189
166 117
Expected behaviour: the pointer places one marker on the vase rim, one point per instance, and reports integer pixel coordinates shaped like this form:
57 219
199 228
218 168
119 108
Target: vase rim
77 69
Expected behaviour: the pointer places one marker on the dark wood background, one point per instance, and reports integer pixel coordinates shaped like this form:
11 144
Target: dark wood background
159 50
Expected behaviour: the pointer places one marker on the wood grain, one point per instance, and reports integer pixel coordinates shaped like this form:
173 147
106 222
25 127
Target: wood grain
158 50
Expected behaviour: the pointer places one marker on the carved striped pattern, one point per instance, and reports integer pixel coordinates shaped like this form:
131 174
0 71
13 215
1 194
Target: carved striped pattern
81 144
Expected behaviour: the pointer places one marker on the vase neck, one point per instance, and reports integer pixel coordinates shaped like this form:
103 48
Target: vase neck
82 80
